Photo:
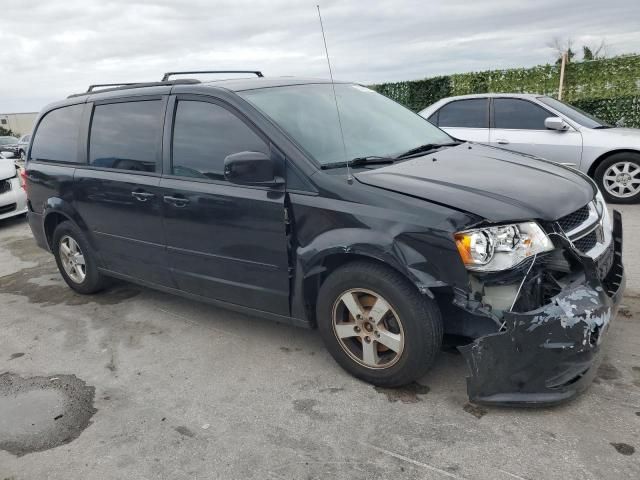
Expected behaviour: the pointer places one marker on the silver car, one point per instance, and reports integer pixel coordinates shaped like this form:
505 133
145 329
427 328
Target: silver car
547 128
23 143
13 197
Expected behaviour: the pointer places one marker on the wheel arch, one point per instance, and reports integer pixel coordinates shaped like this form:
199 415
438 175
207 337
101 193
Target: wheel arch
57 211
331 260
51 221
594 165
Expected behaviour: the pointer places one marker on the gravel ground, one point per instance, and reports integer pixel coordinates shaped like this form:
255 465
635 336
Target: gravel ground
184 390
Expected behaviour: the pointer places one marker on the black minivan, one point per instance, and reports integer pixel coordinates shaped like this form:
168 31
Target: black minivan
328 205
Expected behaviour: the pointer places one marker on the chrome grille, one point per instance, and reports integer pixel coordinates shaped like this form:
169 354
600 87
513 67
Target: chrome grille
574 219
587 242
584 228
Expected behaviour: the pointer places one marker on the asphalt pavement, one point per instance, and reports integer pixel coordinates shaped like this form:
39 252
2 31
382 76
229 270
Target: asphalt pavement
159 387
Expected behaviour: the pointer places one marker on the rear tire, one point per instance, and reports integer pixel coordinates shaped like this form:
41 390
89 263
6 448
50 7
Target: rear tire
76 259
618 177
399 334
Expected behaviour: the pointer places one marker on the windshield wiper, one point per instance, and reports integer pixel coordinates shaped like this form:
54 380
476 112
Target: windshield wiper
358 161
427 147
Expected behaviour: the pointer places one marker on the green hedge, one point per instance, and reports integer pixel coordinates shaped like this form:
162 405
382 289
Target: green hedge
608 88
614 109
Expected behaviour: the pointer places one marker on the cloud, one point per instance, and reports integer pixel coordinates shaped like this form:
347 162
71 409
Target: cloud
54 48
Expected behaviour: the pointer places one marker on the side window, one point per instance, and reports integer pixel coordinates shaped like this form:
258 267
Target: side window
127 135
470 113
204 134
56 138
519 114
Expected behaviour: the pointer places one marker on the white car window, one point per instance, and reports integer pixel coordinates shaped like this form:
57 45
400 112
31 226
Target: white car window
470 113
514 113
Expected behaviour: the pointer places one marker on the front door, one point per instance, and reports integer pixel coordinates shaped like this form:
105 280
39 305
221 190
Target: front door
518 125
224 241
117 194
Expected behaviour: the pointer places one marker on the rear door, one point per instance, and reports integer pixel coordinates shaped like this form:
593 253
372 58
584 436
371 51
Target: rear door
117 192
225 241
518 124
464 119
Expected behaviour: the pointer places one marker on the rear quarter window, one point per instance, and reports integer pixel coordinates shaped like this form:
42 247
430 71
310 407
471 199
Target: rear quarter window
56 138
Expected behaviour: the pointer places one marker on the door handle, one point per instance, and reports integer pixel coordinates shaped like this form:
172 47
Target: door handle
176 201
502 141
142 196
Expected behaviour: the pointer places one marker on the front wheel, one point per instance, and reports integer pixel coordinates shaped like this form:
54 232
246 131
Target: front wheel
377 325
618 177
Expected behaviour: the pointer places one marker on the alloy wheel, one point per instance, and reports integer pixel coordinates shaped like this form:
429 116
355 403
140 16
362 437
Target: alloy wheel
72 259
622 179
368 329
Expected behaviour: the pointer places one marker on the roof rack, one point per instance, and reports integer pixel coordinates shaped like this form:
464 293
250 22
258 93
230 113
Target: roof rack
127 86
109 87
100 85
254 72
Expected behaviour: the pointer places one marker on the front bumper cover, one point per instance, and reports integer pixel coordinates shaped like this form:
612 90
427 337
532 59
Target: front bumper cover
551 354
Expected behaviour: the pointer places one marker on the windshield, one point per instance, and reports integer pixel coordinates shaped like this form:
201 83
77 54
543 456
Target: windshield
573 113
8 140
373 125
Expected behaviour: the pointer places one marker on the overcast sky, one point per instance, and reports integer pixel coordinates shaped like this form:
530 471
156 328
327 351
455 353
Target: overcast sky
49 49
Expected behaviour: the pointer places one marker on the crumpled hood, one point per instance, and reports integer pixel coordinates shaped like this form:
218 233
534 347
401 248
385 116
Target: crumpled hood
490 182
7 168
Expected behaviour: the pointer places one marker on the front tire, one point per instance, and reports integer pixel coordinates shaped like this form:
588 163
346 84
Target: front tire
618 177
377 325
76 260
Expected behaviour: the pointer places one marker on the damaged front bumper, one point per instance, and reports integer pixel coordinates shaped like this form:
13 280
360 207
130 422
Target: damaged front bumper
550 354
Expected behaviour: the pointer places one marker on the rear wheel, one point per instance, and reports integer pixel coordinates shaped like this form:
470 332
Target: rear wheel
377 325
618 177
76 260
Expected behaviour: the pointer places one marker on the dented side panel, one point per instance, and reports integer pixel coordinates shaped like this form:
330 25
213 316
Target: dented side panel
407 234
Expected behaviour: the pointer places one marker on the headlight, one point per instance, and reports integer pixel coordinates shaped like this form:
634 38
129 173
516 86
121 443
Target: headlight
492 249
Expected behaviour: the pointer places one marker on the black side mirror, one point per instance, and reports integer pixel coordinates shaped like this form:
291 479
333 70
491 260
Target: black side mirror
250 168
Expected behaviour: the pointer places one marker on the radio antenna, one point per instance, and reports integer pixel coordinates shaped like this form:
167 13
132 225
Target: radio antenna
335 99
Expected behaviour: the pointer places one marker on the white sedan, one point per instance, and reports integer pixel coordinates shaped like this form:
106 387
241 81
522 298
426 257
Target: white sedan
13 196
547 128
